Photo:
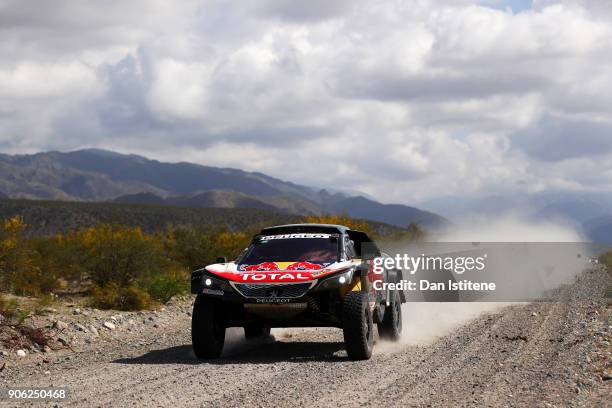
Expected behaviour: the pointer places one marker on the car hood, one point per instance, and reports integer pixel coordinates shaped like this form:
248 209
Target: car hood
278 271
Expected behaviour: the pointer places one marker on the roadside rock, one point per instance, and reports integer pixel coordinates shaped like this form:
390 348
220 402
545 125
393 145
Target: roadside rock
80 327
64 340
60 325
21 353
109 325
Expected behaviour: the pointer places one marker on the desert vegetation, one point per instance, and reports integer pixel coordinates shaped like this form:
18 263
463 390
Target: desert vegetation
122 267
118 266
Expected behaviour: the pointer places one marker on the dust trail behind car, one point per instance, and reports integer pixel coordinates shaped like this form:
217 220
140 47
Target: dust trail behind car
424 322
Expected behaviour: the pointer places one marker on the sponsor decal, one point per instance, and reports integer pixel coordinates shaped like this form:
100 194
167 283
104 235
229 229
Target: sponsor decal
284 266
305 266
277 271
273 300
271 277
294 236
264 266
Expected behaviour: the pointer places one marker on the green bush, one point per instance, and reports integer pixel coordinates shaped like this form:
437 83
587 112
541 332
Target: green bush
112 296
162 287
121 255
195 247
63 256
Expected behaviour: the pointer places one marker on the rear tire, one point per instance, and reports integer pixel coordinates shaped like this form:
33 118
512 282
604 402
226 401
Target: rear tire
207 328
254 332
358 326
390 328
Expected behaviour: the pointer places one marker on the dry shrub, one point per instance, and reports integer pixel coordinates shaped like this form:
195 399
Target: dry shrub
22 336
112 296
11 312
13 332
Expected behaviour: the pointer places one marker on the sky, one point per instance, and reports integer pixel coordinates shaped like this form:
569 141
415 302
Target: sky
403 100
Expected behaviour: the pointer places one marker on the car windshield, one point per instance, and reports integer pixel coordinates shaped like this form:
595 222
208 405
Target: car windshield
293 248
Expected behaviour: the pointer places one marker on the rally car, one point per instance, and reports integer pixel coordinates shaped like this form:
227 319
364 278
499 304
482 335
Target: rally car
300 275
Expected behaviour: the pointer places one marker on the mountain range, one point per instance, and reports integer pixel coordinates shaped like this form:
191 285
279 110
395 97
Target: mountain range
101 175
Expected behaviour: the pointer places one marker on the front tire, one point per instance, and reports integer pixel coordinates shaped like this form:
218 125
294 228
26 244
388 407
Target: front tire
207 328
390 328
358 326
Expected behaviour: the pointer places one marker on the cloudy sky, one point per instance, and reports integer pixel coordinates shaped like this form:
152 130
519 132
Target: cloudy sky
404 100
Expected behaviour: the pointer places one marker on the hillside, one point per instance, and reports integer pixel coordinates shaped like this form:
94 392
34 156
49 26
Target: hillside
227 199
45 217
396 214
51 217
99 175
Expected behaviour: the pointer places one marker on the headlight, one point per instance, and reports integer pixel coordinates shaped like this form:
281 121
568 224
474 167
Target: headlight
208 280
337 280
346 277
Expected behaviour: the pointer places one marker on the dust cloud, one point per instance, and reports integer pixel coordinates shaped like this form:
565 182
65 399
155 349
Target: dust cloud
550 254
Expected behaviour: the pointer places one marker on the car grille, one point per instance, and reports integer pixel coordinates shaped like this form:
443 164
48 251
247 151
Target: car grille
272 290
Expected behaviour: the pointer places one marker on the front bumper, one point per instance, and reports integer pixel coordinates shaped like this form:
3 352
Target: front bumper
208 284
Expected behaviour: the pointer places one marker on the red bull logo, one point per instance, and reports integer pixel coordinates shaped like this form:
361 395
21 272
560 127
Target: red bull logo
265 266
304 266
283 266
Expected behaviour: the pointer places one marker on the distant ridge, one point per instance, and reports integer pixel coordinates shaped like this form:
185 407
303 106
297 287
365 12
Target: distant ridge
101 175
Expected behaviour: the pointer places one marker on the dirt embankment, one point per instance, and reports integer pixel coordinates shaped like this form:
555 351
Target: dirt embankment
538 354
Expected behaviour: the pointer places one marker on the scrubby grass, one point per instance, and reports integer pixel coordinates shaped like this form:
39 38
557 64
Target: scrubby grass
12 311
112 296
14 333
122 267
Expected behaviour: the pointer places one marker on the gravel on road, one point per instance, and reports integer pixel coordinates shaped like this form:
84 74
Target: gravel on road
545 354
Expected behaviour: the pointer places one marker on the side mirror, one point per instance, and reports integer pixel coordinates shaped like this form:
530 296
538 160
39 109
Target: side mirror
221 259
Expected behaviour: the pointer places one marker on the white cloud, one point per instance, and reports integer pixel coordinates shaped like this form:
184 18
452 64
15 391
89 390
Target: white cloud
403 100
178 89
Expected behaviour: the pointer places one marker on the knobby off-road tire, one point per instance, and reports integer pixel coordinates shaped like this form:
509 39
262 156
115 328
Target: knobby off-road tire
254 332
358 326
391 326
207 328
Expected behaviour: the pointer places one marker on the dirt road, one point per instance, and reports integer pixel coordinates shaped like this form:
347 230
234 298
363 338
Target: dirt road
537 354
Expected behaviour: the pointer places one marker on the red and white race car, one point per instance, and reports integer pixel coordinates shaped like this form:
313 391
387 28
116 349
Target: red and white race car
300 275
